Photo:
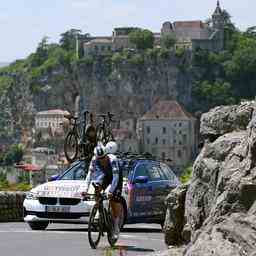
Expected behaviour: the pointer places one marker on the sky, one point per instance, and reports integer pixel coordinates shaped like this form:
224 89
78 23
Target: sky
23 23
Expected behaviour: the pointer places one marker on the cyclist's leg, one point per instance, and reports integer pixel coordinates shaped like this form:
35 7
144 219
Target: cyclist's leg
116 208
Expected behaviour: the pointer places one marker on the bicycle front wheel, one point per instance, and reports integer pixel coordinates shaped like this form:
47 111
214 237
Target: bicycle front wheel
71 146
94 227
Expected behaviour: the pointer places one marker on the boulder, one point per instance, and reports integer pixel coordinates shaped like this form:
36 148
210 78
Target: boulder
220 202
226 119
175 221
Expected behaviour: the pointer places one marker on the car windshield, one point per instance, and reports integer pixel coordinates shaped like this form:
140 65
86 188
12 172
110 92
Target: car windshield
76 172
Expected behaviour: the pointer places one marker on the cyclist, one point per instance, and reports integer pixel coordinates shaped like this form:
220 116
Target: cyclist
104 165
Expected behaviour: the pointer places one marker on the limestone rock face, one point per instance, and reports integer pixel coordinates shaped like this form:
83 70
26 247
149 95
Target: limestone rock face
222 120
175 221
220 207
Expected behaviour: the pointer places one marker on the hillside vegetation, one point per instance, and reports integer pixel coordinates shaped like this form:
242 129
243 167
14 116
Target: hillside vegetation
54 75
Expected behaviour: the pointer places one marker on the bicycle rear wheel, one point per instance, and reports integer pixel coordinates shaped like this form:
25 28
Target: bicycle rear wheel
71 146
94 227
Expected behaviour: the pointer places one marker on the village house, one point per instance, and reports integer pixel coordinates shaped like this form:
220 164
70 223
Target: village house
50 122
168 132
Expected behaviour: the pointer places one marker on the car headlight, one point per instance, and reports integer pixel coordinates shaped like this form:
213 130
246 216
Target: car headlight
32 196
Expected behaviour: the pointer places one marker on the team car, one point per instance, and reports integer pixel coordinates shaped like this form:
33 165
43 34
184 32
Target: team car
146 183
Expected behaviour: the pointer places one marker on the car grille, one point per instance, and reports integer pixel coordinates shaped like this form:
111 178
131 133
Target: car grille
61 201
48 200
58 215
69 201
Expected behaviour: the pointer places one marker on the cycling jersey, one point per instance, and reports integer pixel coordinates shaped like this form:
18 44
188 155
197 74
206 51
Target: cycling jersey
105 175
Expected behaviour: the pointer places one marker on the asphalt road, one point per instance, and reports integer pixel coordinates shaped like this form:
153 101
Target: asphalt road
16 239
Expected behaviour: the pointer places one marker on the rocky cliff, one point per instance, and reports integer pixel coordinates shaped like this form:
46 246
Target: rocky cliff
131 85
215 213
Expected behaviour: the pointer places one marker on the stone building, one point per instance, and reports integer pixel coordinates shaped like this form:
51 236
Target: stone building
126 136
98 46
168 132
126 140
197 34
188 34
50 122
117 42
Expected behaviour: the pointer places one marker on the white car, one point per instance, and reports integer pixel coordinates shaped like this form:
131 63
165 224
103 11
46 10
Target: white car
59 200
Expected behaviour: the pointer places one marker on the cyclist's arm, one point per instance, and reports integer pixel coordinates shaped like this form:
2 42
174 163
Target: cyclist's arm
115 170
91 170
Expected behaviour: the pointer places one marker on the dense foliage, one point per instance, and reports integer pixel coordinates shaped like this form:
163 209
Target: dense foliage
142 38
12 155
229 76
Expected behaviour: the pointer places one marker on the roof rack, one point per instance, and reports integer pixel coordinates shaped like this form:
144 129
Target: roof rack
130 155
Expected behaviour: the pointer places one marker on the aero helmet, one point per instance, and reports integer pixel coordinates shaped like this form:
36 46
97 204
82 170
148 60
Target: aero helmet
100 151
111 147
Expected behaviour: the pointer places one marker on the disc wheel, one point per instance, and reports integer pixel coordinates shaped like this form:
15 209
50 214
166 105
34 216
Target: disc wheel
94 228
71 146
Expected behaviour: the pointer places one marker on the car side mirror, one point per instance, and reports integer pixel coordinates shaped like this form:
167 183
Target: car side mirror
53 178
141 179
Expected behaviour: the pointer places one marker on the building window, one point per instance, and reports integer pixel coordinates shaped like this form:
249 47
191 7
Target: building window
109 48
164 141
175 125
180 132
179 154
164 130
180 124
96 48
175 141
184 137
148 130
163 155
180 143
103 48
156 140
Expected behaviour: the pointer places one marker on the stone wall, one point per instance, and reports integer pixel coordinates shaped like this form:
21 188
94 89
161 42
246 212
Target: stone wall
11 206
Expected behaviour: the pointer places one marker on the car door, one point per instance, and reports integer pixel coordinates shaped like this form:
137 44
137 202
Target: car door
159 185
172 180
140 194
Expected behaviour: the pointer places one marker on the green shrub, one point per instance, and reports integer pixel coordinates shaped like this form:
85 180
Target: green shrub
117 58
187 174
163 53
179 52
23 187
4 185
136 59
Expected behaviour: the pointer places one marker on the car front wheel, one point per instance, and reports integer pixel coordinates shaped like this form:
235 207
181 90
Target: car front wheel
42 225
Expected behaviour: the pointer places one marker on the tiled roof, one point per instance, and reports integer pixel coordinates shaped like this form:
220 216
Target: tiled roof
167 110
53 112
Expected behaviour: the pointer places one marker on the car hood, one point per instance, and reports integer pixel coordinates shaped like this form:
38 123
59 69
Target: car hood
61 189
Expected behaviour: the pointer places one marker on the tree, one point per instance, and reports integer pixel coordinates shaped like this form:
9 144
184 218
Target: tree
142 39
14 154
41 54
69 39
168 41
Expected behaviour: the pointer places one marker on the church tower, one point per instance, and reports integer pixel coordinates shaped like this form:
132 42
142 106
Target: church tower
217 17
218 23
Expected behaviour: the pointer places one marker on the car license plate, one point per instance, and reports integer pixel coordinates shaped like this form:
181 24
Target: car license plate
57 208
